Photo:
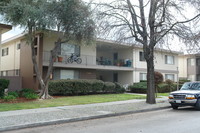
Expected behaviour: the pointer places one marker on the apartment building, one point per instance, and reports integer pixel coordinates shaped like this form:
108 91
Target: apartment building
105 60
189 66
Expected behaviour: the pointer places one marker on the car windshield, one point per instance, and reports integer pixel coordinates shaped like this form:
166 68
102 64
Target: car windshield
191 86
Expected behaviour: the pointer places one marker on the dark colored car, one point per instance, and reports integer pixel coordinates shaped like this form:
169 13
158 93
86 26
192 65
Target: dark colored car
188 95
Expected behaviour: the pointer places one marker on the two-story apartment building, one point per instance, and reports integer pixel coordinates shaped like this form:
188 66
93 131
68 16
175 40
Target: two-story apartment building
105 60
189 66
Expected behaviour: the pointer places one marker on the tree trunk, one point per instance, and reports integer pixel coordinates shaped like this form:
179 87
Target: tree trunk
150 79
45 92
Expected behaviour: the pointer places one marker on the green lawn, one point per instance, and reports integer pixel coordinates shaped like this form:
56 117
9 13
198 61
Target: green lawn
163 94
73 100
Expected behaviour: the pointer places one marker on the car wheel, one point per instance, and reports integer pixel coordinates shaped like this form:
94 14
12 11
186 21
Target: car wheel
197 105
174 106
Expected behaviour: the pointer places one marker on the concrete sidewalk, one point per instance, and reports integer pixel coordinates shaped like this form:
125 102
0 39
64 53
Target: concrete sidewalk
10 120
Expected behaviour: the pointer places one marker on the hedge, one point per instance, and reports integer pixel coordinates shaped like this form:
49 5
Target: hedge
3 85
83 87
141 87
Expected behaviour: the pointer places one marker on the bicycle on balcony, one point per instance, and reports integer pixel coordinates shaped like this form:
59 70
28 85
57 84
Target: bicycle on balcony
74 58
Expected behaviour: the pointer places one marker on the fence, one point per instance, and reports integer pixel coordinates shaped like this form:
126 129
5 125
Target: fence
15 82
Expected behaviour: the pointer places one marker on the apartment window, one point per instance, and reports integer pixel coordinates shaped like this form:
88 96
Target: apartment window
198 61
169 76
198 77
17 72
18 46
69 74
5 51
142 56
169 59
191 61
191 77
143 76
4 73
68 49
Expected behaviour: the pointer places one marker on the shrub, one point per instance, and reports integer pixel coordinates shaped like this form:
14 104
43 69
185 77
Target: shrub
3 85
141 85
82 87
29 95
61 87
97 85
119 88
26 90
13 93
9 98
143 80
109 87
182 81
163 88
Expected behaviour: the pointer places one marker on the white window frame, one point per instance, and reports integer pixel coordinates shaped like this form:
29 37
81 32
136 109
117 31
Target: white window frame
69 74
18 46
68 49
4 73
168 75
141 56
5 51
169 59
143 76
191 61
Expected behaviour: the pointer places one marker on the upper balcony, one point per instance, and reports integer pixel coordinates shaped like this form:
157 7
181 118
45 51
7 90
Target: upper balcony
89 62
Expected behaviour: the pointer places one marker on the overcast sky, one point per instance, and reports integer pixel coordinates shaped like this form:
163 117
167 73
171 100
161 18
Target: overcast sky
16 30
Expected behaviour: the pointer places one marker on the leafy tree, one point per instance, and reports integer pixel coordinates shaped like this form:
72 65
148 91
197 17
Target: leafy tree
147 23
71 18
158 80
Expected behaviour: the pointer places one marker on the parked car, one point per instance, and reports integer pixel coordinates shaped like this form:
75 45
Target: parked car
188 95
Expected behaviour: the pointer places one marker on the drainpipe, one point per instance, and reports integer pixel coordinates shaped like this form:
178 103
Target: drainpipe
177 79
0 49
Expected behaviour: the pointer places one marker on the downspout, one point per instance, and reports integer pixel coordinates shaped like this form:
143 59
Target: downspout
15 47
0 49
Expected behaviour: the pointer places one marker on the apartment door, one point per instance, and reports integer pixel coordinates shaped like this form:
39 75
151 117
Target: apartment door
115 56
115 77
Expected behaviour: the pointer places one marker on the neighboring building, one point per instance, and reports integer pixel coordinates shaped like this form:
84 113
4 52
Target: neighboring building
9 60
189 67
105 60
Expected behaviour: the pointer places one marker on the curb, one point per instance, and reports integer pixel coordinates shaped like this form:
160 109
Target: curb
60 121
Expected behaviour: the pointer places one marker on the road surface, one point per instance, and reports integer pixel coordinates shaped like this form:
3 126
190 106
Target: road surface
184 120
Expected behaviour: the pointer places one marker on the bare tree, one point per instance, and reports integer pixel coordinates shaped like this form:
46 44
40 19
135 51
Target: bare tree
146 22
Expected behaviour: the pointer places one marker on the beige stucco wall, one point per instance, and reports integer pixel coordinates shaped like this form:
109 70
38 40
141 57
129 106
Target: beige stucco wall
182 66
12 60
136 76
159 60
88 52
125 78
136 59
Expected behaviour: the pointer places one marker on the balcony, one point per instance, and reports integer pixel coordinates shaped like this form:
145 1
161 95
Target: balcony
89 62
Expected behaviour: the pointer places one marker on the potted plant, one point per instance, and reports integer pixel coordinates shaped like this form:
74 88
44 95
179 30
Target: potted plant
60 59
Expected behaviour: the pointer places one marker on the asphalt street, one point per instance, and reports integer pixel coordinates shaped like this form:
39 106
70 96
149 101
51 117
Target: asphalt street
183 120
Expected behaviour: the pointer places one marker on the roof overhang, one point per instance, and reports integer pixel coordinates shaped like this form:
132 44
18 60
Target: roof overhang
4 28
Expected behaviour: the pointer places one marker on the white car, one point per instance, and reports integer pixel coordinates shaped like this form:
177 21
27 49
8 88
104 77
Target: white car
188 95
